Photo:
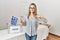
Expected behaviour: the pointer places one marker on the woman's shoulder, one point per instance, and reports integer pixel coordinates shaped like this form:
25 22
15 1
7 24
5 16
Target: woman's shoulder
36 16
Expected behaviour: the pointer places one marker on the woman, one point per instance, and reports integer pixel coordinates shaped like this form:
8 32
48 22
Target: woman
31 23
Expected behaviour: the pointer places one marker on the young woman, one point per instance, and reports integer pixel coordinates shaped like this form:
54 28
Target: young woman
31 23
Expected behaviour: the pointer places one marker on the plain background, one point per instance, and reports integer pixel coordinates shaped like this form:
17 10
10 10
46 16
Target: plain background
48 8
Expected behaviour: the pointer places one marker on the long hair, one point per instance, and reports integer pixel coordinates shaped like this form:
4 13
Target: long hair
35 12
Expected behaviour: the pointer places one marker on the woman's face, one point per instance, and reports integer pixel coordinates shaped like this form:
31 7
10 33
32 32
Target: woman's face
32 8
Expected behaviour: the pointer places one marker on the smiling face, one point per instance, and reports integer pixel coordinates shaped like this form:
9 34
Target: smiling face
32 8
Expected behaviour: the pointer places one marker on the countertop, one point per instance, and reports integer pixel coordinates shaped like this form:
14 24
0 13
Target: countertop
4 35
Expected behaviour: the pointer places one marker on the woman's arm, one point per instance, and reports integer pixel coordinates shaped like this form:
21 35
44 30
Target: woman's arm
46 24
22 21
42 19
45 21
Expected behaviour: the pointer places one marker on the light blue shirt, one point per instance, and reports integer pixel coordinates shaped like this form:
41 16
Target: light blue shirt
31 25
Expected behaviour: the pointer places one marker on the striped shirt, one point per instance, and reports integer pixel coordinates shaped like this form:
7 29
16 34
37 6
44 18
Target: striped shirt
31 25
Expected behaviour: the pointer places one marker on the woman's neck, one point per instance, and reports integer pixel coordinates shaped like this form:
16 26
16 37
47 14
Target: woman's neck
32 15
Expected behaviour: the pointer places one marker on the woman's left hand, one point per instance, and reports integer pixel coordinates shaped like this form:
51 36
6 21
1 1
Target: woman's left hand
46 24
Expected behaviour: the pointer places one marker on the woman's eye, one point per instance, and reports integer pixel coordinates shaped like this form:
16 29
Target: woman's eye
32 8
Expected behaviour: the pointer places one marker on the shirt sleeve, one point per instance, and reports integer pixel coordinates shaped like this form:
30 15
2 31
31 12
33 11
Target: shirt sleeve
40 21
45 20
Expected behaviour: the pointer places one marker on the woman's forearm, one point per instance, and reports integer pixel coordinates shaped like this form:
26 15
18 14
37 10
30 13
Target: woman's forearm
22 23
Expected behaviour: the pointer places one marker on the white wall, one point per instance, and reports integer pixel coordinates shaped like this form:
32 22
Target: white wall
49 8
13 7
7 9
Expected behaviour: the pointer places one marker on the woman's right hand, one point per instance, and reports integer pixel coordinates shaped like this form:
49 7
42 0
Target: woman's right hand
21 19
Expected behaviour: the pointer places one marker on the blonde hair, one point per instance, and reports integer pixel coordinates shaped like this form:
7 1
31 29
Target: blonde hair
35 12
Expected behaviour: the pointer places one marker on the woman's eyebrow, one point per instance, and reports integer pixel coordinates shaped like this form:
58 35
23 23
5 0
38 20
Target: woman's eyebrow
32 7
